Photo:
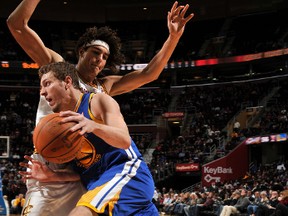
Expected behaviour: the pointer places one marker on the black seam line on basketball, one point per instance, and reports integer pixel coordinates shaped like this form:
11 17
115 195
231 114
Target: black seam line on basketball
57 116
36 139
56 136
44 124
74 146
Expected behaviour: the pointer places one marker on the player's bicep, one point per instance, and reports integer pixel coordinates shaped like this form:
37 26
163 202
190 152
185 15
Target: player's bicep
32 44
128 82
109 112
115 120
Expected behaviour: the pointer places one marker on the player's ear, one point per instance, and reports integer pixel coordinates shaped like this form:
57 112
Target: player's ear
68 82
81 51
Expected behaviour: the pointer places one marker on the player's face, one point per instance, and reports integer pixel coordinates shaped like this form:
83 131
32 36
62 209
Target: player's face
54 92
93 60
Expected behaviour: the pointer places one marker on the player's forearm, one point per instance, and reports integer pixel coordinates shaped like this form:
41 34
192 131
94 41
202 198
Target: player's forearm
59 176
113 136
150 73
159 61
19 18
65 176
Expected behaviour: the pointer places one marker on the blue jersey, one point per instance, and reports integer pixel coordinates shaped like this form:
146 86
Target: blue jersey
118 181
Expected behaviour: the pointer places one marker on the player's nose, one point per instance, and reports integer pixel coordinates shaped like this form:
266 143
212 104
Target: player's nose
42 92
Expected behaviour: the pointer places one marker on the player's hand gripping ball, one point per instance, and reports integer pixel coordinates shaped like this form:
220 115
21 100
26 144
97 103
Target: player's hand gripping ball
54 141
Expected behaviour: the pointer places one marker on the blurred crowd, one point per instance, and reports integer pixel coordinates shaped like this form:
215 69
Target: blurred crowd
208 114
214 108
262 193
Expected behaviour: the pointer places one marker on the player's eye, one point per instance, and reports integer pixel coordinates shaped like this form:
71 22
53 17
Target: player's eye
47 84
105 57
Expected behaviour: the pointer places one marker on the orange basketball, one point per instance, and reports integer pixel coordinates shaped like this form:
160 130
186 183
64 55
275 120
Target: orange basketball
54 141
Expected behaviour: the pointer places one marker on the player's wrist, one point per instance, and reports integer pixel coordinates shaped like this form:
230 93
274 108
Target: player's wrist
172 38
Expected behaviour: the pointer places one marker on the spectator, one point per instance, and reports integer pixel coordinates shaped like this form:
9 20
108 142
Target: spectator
262 201
14 205
240 206
266 210
282 207
236 127
183 201
213 187
229 200
19 203
207 205
189 208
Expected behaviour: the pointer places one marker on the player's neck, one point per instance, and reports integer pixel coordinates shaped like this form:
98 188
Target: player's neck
78 97
86 78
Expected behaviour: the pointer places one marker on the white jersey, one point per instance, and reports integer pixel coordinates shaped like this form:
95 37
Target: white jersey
59 198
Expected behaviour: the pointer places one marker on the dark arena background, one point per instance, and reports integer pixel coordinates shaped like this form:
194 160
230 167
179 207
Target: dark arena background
218 113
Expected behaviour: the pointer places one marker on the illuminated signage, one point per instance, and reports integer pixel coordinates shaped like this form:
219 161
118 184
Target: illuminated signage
265 139
5 64
173 115
187 167
26 65
172 65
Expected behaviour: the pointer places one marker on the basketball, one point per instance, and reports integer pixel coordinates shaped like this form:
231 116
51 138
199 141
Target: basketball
54 141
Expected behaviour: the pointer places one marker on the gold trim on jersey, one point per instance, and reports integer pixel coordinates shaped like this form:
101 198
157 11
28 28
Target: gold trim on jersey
78 103
27 209
100 81
91 114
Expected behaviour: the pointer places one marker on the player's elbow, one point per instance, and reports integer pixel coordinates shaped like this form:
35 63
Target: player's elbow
126 143
11 25
150 75
15 25
152 78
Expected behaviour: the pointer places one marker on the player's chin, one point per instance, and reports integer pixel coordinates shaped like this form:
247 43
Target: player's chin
96 70
56 109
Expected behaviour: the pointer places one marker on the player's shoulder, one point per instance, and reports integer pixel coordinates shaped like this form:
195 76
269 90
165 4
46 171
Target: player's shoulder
110 79
100 96
103 102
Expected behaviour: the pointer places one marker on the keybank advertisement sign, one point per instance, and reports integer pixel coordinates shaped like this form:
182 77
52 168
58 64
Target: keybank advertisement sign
2 203
233 166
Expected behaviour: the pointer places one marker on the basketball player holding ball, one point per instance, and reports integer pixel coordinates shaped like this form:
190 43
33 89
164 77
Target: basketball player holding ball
58 198
117 180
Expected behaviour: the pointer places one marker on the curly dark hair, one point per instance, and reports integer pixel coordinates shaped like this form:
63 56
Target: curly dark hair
109 36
